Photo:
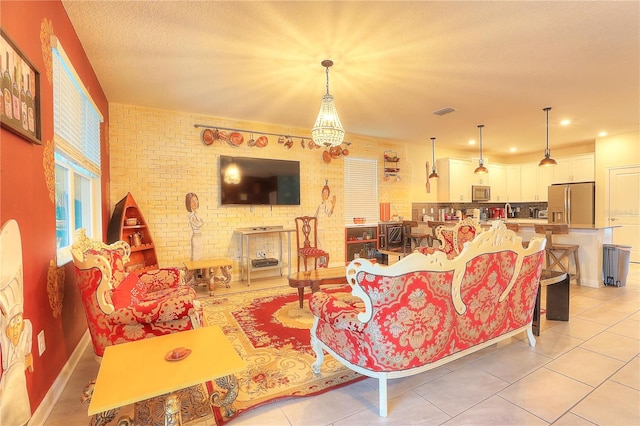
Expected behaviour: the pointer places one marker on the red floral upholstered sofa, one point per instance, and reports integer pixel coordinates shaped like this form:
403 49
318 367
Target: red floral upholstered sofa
427 310
121 306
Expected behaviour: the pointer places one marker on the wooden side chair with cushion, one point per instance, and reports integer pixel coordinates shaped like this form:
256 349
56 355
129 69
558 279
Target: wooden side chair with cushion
557 255
307 242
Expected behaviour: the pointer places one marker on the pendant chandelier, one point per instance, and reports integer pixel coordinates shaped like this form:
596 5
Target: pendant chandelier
434 173
481 169
547 160
328 130
232 174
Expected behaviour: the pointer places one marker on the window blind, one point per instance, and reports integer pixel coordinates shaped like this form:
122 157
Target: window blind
76 121
360 189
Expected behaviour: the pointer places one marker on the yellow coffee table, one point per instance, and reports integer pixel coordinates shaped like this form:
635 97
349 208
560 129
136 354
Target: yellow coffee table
136 371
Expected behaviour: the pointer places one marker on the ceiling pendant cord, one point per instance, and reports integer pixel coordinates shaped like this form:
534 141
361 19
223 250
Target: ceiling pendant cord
326 64
481 169
434 173
547 160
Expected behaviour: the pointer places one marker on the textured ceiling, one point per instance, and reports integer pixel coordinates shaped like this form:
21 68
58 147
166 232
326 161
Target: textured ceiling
497 63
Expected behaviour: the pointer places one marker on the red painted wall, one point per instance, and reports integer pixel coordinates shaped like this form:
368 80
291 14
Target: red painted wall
24 195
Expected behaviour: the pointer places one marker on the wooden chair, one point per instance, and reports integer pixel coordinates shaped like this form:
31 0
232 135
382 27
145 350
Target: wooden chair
413 239
307 241
434 224
557 254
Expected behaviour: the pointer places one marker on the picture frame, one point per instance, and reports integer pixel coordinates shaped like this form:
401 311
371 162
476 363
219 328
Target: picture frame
20 92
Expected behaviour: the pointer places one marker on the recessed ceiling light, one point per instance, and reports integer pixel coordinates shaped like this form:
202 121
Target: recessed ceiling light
472 142
602 134
565 122
513 149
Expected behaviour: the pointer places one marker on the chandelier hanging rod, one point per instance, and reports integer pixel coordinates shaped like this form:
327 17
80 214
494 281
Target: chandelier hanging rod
326 64
232 129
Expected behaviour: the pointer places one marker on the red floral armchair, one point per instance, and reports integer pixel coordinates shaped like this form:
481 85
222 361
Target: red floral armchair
424 311
452 238
121 306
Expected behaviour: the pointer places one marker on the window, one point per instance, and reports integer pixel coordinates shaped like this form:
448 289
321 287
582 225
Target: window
77 156
360 189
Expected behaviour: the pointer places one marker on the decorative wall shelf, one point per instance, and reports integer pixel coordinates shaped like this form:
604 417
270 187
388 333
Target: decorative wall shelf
235 138
391 168
143 254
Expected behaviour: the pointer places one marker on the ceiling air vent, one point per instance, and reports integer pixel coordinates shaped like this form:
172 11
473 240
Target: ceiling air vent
444 111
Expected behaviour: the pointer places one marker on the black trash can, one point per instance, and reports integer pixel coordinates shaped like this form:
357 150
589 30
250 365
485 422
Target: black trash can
615 264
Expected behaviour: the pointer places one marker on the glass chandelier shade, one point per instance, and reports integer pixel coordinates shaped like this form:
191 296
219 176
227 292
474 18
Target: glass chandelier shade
328 130
434 173
481 169
547 160
232 174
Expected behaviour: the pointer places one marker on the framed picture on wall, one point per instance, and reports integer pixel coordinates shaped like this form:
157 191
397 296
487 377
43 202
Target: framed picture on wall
19 92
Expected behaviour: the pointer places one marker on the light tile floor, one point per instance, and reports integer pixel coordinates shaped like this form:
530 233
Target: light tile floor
582 372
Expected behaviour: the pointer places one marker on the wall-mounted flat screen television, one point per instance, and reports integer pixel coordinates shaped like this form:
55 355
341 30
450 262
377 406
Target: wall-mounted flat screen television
259 181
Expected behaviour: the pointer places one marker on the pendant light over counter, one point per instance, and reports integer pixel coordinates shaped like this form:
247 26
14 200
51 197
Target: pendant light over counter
481 169
434 173
547 160
328 130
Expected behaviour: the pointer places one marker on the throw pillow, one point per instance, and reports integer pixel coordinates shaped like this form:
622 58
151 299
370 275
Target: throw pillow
129 292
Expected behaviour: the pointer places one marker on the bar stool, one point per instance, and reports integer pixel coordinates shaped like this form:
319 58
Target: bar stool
434 224
556 254
512 226
515 228
413 239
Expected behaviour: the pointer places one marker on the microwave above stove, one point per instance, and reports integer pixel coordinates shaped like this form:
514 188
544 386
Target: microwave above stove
480 193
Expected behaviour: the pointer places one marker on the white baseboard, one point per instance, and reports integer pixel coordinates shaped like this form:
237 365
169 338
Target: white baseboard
41 413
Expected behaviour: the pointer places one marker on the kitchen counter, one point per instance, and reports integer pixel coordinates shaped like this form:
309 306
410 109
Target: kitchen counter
590 238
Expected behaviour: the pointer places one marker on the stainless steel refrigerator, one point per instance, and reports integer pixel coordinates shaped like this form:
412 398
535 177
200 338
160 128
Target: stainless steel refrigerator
572 203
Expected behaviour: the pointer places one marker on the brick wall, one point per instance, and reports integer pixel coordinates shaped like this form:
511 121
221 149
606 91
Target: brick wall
159 157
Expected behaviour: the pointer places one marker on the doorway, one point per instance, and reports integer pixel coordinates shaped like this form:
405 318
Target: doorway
623 207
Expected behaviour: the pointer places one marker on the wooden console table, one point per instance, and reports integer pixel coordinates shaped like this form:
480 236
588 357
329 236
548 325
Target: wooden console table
245 235
211 265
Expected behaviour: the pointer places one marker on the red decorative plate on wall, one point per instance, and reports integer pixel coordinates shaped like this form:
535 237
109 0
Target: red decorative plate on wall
236 139
262 141
208 136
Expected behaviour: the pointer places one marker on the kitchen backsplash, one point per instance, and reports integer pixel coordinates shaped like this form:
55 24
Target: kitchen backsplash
522 210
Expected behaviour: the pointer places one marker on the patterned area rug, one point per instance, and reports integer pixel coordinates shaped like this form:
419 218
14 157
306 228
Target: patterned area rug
271 332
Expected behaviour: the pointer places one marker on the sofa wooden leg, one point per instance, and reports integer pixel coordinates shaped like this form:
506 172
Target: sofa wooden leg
532 338
382 395
317 348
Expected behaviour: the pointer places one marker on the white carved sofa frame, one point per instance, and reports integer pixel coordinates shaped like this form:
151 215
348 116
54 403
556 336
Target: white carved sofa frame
356 337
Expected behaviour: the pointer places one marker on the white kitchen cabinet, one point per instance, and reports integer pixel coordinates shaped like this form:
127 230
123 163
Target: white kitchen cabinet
498 174
535 181
545 177
578 168
514 190
456 177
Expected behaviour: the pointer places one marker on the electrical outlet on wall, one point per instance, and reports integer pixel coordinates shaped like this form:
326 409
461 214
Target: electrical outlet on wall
41 345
